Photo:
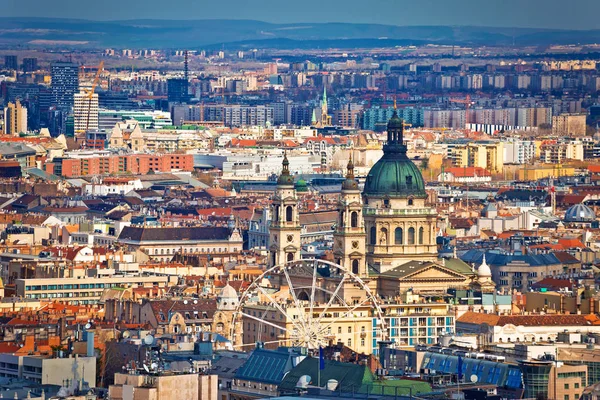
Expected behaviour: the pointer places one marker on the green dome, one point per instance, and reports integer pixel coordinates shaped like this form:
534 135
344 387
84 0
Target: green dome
301 185
394 175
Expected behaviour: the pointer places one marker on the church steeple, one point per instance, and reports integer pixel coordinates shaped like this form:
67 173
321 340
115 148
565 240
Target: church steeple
349 236
285 178
284 229
325 117
350 182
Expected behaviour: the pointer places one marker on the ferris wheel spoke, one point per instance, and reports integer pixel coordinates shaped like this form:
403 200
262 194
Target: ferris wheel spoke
265 322
344 315
295 298
330 302
277 305
312 293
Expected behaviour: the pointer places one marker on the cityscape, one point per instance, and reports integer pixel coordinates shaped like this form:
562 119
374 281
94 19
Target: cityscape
236 201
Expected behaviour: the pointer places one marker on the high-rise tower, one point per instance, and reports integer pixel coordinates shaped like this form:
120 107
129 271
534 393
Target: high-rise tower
285 222
349 236
65 83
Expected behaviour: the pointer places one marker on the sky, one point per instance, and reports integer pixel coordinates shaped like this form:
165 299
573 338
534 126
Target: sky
554 14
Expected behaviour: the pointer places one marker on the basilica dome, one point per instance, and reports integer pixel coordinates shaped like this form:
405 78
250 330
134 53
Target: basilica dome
395 175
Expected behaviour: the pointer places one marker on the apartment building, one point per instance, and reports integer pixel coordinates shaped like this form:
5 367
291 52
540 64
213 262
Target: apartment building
82 290
569 125
137 164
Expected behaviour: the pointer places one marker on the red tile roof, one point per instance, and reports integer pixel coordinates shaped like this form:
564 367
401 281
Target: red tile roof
529 320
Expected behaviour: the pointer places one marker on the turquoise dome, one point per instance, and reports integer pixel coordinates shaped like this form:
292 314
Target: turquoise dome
301 185
395 175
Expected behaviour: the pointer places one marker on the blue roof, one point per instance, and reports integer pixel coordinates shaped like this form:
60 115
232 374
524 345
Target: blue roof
498 259
266 366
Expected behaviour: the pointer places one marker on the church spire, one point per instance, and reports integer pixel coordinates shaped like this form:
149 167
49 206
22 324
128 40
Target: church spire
350 167
285 178
350 182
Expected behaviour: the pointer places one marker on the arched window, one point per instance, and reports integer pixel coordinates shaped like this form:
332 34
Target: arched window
411 202
289 213
399 236
355 266
354 219
290 256
421 234
373 235
411 235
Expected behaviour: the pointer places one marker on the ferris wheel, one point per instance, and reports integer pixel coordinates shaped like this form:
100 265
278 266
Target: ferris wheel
299 303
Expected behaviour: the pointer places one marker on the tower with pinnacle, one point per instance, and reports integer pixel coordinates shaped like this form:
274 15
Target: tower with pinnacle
349 236
284 231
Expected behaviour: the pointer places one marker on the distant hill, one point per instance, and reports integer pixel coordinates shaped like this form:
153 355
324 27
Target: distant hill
243 33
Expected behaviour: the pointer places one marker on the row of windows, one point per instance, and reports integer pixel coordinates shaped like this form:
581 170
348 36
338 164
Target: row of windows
75 286
170 251
398 236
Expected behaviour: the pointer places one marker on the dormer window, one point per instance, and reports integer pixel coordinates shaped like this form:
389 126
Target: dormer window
409 180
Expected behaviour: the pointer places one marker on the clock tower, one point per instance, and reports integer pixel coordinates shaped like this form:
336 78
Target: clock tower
349 236
284 230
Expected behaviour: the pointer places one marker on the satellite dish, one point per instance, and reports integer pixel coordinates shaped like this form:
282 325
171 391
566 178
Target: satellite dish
474 378
185 302
154 366
332 384
88 325
149 340
195 301
303 381
126 334
146 368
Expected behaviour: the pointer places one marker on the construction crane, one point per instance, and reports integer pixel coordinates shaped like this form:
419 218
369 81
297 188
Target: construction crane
89 94
467 102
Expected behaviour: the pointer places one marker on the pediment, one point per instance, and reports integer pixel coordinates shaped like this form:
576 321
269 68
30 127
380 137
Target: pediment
433 272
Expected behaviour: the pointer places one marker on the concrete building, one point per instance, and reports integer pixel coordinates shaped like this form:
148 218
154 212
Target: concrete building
49 371
487 155
164 387
102 164
517 151
85 112
65 83
237 116
569 125
85 290
15 119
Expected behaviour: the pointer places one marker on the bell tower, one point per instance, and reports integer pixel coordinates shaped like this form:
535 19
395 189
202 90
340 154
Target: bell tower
284 230
349 236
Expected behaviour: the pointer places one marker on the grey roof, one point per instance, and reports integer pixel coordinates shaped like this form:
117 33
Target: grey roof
15 149
227 366
497 259
139 233
38 173
580 213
